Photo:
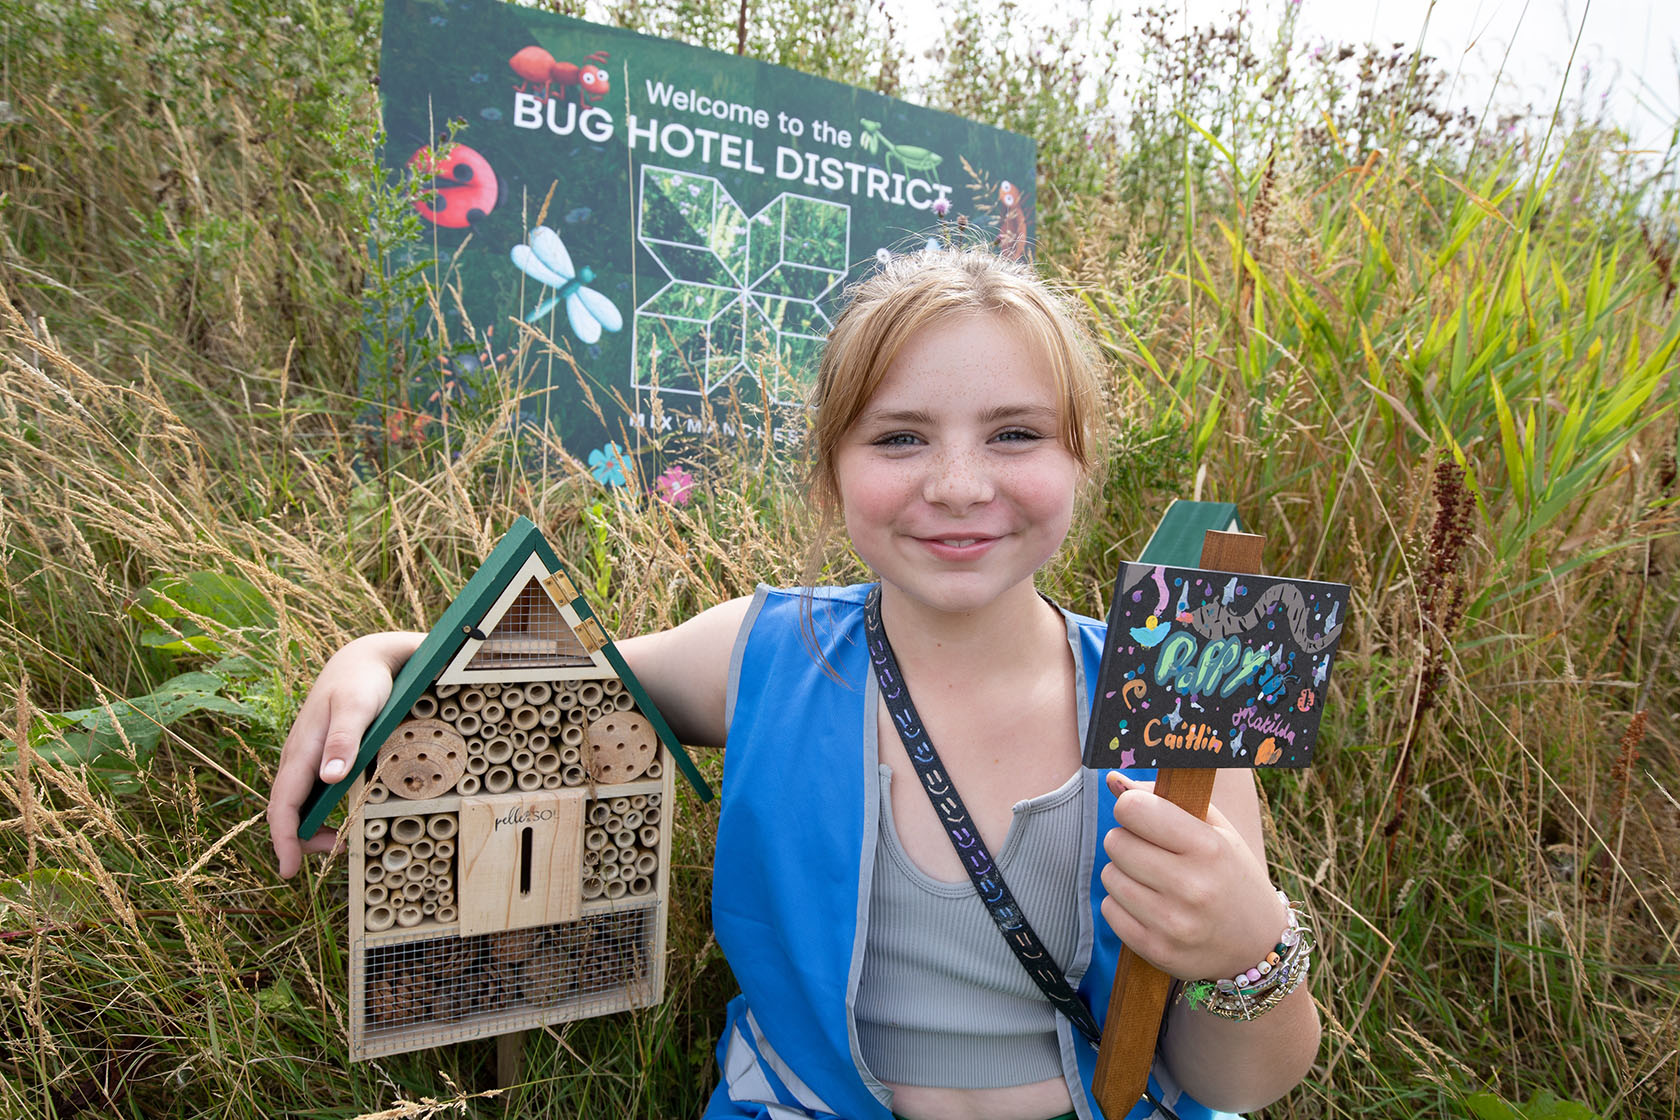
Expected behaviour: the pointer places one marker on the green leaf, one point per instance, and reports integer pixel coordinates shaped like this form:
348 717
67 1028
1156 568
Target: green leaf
189 614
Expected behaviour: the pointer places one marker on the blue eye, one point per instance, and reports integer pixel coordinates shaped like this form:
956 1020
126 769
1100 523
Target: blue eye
896 439
1014 435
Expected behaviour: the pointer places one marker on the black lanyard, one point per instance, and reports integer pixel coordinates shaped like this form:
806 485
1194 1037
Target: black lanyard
965 835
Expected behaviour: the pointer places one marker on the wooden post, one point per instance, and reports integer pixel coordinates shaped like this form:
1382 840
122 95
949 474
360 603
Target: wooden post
1139 996
510 1059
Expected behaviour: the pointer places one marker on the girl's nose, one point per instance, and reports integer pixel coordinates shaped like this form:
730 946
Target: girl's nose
957 480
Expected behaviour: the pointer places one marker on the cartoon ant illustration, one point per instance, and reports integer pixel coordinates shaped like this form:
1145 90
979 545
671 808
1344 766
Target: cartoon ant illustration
1012 231
535 65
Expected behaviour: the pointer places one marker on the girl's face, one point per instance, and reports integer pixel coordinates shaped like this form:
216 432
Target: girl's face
953 481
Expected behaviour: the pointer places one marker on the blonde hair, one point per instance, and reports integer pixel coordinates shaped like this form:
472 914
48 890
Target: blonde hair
916 290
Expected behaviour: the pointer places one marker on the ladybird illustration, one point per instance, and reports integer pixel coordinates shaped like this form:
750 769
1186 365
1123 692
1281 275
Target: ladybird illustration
463 186
1304 702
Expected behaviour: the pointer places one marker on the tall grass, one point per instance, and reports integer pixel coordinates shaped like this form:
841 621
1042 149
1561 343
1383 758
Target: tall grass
1427 353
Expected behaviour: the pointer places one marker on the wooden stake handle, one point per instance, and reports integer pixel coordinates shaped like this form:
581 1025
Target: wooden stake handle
1139 996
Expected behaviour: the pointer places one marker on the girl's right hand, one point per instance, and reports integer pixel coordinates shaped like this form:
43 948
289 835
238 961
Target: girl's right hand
345 699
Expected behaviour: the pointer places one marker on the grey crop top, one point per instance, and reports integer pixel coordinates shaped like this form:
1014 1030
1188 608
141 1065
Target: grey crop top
956 1008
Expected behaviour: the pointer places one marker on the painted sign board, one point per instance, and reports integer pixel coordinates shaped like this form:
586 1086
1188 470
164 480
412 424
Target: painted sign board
1213 669
678 223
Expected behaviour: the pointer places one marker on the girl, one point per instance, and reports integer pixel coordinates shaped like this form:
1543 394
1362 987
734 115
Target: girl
950 434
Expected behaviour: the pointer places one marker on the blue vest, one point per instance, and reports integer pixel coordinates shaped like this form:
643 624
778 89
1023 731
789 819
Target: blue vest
796 852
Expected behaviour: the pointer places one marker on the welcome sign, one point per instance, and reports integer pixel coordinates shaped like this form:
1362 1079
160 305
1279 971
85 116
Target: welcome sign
677 225
1213 669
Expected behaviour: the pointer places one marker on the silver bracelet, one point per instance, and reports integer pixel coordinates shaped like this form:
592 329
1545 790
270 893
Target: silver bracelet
1254 992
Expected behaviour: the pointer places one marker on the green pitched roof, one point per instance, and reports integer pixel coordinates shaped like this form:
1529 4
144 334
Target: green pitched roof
1177 540
445 641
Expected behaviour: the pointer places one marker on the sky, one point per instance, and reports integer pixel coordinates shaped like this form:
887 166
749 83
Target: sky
1627 48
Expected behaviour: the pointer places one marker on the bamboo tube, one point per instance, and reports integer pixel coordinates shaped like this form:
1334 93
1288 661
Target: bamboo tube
492 712
444 691
498 779
524 760
468 785
429 895
538 693
548 762
428 886
528 780
552 781
445 849
638 801
525 717
375 828
624 702
616 888
651 815
593 712
379 918
445 914
512 695
537 741
406 830
619 805
589 692
477 764
441 826
449 710
373 847
572 736
569 755
612 686
440 866
421 849
428 907
549 715
592 887
446 897
573 775
624 838
498 750
373 872
575 714
409 916
412 890
641 884
377 793
394 858
613 823
591 857
472 700
649 836
425 707
599 812
492 690
609 870
468 723
595 839
646 863
518 736
376 894
653 798
632 818
414 871
654 769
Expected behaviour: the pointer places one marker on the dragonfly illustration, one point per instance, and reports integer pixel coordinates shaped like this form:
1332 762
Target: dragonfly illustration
546 261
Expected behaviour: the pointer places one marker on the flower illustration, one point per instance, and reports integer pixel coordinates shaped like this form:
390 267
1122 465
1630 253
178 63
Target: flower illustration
606 465
674 486
941 207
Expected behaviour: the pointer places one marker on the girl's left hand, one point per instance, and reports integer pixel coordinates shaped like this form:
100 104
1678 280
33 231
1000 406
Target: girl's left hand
1191 897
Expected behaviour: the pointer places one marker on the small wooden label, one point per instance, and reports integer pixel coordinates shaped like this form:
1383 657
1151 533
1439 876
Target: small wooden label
521 860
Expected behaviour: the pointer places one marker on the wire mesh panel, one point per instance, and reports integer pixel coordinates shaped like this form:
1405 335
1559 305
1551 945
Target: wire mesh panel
531 635
420 993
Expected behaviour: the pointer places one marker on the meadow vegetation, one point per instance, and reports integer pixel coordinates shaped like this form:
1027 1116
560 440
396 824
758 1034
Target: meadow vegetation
1428 352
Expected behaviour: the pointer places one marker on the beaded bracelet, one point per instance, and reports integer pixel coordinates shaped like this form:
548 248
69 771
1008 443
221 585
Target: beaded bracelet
1253 993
